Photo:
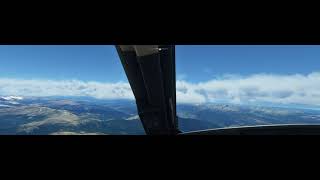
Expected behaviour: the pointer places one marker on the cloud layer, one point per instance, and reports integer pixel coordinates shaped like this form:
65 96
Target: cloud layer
284 89
40 88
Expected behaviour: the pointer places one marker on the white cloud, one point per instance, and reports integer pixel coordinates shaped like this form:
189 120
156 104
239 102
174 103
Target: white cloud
285 89
65 88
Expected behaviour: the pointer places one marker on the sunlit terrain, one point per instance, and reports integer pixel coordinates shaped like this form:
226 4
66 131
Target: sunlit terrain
89 116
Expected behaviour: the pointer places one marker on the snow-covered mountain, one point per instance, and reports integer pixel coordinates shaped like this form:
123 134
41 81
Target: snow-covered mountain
11 98
7 101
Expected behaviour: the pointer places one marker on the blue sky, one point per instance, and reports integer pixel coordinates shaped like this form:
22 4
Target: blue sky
194 63
199 63
87 63
260 74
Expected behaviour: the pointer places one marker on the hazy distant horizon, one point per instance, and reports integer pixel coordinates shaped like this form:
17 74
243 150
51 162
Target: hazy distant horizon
276 75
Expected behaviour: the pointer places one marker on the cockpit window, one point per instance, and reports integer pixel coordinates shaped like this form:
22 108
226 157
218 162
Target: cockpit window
83 89
246 85
65 89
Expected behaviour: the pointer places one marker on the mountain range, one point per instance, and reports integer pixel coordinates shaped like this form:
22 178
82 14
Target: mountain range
77 116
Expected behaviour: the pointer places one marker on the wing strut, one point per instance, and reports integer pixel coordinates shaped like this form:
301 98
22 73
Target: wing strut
151 73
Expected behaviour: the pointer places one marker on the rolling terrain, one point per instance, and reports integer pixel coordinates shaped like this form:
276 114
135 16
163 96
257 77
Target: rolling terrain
76 116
